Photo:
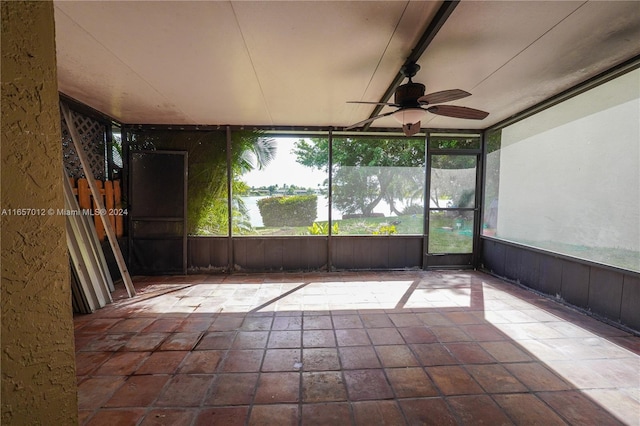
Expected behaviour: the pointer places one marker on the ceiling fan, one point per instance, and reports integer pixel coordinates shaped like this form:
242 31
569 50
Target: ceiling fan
412 104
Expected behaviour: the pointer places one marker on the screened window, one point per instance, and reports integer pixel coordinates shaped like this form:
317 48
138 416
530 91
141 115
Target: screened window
281 191
566 179
452 203
452 191
114 157
378 186
207 211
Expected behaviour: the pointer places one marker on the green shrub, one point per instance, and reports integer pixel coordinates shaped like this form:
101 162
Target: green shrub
295 210
323 228
385 230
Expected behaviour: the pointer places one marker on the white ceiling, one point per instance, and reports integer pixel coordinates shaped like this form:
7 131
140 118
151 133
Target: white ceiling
296 63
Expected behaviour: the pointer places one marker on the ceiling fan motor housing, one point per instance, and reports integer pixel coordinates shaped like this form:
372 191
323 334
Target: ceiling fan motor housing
407 94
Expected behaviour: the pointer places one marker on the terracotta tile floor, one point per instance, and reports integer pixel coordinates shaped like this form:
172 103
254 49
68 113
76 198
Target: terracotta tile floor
388 348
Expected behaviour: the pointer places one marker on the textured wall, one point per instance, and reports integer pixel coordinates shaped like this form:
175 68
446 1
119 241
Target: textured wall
38 364
569 174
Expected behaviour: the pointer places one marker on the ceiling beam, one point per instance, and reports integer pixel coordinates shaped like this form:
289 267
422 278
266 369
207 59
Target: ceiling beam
429 34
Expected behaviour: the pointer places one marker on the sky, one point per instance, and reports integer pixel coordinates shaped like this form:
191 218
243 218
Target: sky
285 170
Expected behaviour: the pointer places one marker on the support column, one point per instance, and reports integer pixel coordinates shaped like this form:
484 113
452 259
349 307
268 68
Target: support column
38 357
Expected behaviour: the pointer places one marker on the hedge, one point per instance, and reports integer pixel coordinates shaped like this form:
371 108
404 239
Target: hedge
294 210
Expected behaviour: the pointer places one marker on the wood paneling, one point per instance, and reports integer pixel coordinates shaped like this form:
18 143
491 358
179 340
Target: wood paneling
305 253
280 253
550 275
208 254
575 283
493 257
604 291
397 252
630 306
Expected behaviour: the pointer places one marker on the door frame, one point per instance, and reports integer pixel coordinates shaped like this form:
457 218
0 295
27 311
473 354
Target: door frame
454 260
132 214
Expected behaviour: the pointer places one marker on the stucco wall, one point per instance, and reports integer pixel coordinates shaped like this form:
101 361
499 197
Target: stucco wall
38 363
570 173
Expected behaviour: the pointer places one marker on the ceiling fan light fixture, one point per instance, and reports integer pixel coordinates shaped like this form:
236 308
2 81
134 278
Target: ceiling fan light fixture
409 115
412 104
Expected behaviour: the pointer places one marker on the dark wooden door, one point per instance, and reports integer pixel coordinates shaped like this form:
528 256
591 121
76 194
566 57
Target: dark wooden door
158 212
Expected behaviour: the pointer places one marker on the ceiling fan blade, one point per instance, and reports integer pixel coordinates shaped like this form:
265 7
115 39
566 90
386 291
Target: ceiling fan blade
443 96
373 103
411 129
458 112
368 120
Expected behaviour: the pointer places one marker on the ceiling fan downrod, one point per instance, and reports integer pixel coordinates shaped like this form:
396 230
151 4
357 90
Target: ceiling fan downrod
409 70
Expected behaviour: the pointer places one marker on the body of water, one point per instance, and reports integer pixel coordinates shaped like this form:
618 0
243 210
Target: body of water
322 213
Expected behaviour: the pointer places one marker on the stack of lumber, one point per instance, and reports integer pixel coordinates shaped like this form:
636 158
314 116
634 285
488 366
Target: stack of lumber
91 282
111 194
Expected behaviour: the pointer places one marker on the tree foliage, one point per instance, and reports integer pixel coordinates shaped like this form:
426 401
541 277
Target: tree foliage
453 175
368 170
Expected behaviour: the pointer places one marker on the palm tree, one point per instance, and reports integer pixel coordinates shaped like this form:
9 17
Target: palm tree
257 154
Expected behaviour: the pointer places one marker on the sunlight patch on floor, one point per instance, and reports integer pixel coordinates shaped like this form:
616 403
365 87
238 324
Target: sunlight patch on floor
315 296
601 369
